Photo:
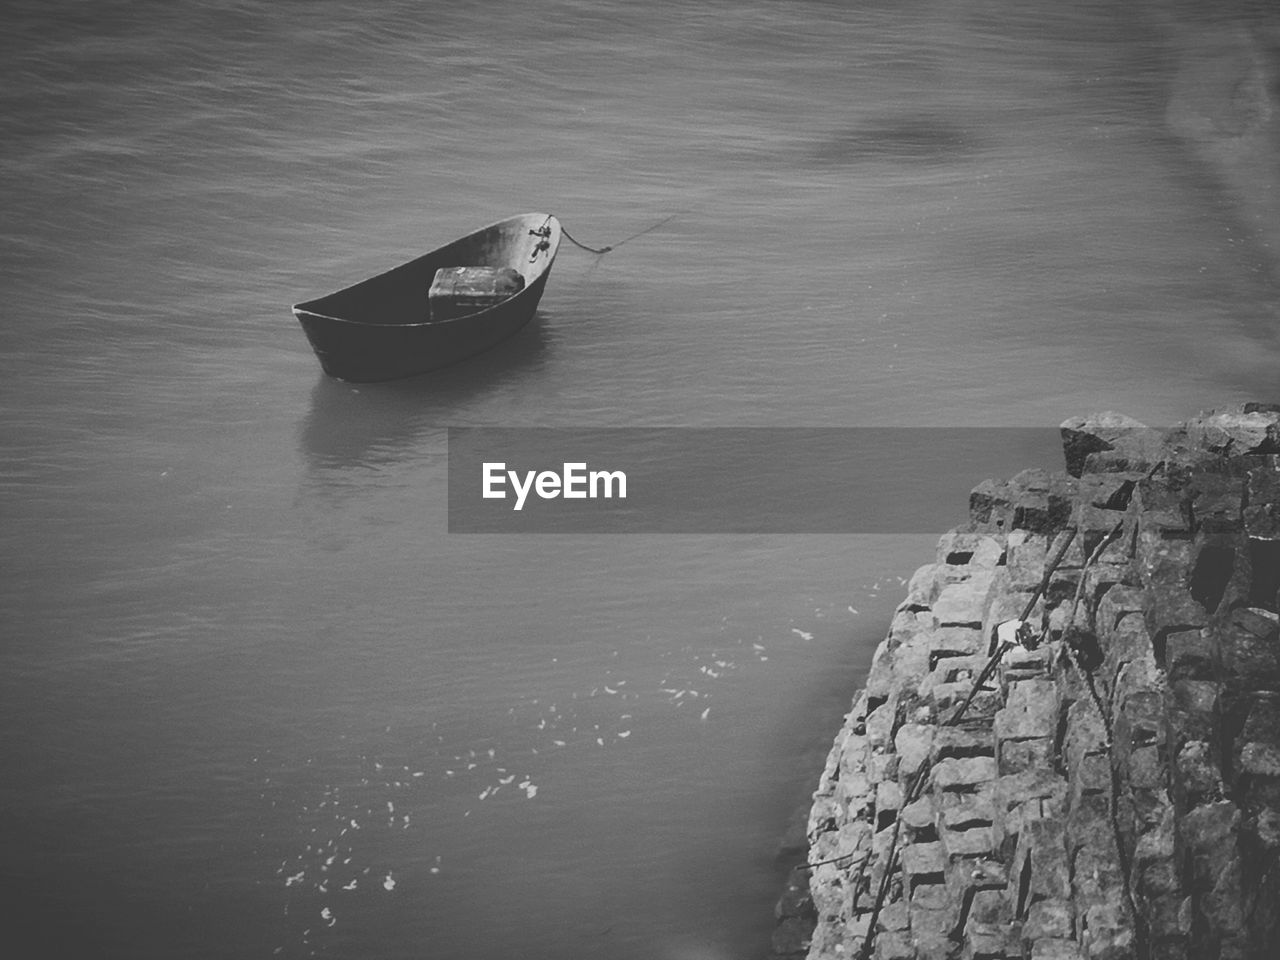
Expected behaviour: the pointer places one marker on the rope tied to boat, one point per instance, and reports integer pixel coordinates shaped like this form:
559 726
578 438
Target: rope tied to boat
601 251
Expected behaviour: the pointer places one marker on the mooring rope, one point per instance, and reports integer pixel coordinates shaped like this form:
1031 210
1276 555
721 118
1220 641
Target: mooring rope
601 251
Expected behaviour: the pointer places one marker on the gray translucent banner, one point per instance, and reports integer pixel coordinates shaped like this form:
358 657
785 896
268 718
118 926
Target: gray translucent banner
730 479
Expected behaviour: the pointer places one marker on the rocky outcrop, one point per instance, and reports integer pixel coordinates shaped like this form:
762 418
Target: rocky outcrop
1104 782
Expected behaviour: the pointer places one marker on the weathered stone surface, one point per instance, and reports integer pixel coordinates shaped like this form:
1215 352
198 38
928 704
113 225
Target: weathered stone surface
1210 835
1258 746
919 820
1250 650
1017 756
1233 434
1197 779
1031 711
923 861
962 603
1052 919
1082 436
954 642
1130 810
1054 949
1040 864
913 742
990 505
1261 510
961 743
969 551
1170 608
964 775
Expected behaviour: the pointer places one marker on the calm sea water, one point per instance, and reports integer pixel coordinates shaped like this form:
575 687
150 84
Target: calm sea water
255 701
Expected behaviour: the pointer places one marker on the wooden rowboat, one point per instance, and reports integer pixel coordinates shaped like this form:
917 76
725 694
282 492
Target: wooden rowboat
383 328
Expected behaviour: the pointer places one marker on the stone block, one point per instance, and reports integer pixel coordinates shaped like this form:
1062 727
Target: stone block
1098 532
984 941
919 821
1154 867
1145 769
923 863
1042 501
1258 746
913 742
1193 709
1026 563
1235 433
991 506
976 550
1117 605
945 699
1086 734
970 843
1030 712
906 623
929 897
1096 876
1140 720
892 916
959 743
1042 785
1189 654
893 945
929 929
1210 835
1196 775
1135 679
967 876
1082 436
1041 867
1088 820
955 670
1110 491
1249 645
1171 609
961 604
855 793
883 766
1169 925
1050 948
881 725
888 803
961 811
1261 512
1019 755
1161 553
947 642
1101 577
1109 931
964 775
1214 502
1053 919
1022 664
922 589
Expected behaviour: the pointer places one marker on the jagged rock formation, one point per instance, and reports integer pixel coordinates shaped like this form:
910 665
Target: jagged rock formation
1107 783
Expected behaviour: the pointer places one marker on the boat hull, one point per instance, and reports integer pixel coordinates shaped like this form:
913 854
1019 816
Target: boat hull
379 329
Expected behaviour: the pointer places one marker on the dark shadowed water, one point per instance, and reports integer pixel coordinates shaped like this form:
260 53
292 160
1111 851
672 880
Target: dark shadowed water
255 701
